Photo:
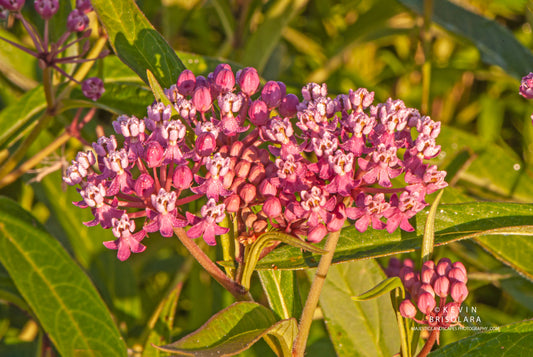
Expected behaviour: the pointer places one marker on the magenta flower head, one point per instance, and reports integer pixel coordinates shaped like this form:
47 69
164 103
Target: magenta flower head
46 8
526 86
93 88
301 165
77 21
12 5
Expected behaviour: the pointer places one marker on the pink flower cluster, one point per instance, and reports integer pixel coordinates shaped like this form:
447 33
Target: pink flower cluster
429 290
271 160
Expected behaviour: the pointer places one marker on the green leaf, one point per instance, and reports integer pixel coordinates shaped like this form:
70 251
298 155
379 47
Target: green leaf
515 251
512 340
157 90
25 110
510 181
366 328
228 332
383 287
59 293
497 45
428 241
453 222
162 323
17 65
263 41
281 289
136 42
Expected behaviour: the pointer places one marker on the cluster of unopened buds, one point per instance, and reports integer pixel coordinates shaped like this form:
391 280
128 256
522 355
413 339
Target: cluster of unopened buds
262 157
438 291
49 53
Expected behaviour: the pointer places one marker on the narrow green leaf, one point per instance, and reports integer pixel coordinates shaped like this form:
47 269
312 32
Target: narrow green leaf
453 222
281 289
512 340
383 287
25 110
228 332
358 328
497 44
263 41
59 293
253 252
157 90
136 42
429 230
162 323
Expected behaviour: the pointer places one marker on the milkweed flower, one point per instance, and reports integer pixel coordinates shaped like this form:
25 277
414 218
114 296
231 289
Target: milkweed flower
274 161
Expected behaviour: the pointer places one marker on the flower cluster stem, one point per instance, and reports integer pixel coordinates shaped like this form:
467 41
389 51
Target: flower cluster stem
314 294
238 292
429 343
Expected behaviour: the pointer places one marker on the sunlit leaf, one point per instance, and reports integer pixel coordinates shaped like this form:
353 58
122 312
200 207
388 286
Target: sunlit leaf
281 289
383 287
506 341
452 222
136 42
358 328
227 333
57 290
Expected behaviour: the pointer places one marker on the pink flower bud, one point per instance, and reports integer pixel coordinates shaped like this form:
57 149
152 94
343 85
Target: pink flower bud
266 188
407 309
444 266
428 276
144 185
459 291
452 312
233 203
426 288
526 87
46 8
256 174
93 88
271 94
409 279
12 5
458 275
186 82
260 225
426 303
272 207
409 263
84 5
153 154
393 267
243 168
288 106
201 99
225 80
77 21
248 80
459 265
206 143
442 286
182 178
258 113
317 233
248 193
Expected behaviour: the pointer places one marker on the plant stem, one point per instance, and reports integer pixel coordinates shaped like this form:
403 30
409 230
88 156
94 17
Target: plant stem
233 287
429 343
314 294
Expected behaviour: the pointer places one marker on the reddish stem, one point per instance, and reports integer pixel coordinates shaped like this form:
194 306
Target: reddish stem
429 343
